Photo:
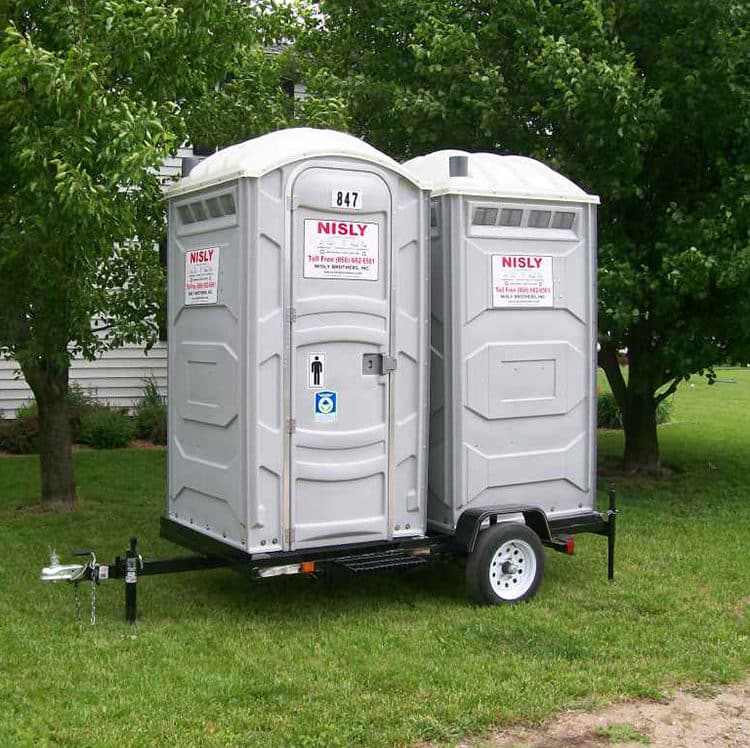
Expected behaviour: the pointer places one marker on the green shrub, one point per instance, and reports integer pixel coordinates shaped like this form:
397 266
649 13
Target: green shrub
150 414
27 409
79 400
151 422
664 411
20 437
608 414
105 428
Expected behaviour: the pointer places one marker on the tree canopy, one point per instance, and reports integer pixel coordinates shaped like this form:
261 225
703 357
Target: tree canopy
94 95
646 104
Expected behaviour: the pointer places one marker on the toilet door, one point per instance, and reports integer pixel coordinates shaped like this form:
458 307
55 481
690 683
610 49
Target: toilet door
340 357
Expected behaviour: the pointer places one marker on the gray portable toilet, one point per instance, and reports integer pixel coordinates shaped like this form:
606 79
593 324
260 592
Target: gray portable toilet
298 346
513 378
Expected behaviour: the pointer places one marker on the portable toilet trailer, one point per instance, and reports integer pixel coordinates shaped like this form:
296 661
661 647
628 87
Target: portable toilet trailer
299 326
298 348
513 372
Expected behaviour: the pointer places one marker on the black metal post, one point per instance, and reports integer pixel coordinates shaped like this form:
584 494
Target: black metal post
131 581
611 531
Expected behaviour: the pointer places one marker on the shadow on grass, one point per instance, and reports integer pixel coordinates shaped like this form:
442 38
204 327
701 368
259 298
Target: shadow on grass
323 596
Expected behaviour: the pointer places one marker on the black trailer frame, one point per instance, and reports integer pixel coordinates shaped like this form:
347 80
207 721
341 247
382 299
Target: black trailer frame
556 533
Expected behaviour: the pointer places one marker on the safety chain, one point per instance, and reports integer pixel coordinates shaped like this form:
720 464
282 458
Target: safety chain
93 602
92 598
77 597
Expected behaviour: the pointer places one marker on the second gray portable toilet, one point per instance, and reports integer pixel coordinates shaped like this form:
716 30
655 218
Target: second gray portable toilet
298 346
513 400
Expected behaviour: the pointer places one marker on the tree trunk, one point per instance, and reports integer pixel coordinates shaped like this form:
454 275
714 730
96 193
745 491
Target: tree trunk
635 398
50 386
641 441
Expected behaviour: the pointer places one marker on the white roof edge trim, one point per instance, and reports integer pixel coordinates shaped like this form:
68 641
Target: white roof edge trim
178 189
259 156
530 196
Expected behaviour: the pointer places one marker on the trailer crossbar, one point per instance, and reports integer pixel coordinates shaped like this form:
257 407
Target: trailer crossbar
152 566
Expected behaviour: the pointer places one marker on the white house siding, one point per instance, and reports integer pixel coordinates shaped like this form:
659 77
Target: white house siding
115 379
171 169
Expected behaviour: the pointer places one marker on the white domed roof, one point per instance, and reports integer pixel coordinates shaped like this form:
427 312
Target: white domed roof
259 156
492 175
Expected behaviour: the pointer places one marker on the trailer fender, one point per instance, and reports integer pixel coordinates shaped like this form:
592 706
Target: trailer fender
470 522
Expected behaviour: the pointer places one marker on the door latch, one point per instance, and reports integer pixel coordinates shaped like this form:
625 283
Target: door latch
389 364
378 364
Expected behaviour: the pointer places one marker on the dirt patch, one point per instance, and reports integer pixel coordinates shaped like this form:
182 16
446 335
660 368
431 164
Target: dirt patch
54 507
690 718
135 444
143 444
614 469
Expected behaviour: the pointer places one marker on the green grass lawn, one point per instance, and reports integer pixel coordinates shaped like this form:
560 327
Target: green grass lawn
387 659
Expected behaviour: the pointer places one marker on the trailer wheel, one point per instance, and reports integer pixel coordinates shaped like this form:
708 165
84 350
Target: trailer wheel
506 565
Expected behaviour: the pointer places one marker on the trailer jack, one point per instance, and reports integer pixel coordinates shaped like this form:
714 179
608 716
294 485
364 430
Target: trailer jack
611 533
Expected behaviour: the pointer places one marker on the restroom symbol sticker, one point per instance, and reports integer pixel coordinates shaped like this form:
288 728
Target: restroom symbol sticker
316 371
325 406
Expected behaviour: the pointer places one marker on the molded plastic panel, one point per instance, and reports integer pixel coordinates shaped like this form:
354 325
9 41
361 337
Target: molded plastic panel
206 350
513 387
519 380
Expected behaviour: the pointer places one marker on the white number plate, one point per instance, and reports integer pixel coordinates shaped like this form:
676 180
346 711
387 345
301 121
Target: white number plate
350 199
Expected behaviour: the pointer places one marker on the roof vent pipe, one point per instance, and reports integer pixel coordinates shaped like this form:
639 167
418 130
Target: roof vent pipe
458 166
188 164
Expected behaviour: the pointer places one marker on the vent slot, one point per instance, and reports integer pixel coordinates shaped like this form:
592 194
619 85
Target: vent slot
563 220
227 204
539 219
213 207
485 216
185 215
511 217
199 211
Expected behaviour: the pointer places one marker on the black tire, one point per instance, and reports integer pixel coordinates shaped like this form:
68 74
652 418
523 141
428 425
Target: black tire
480 570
